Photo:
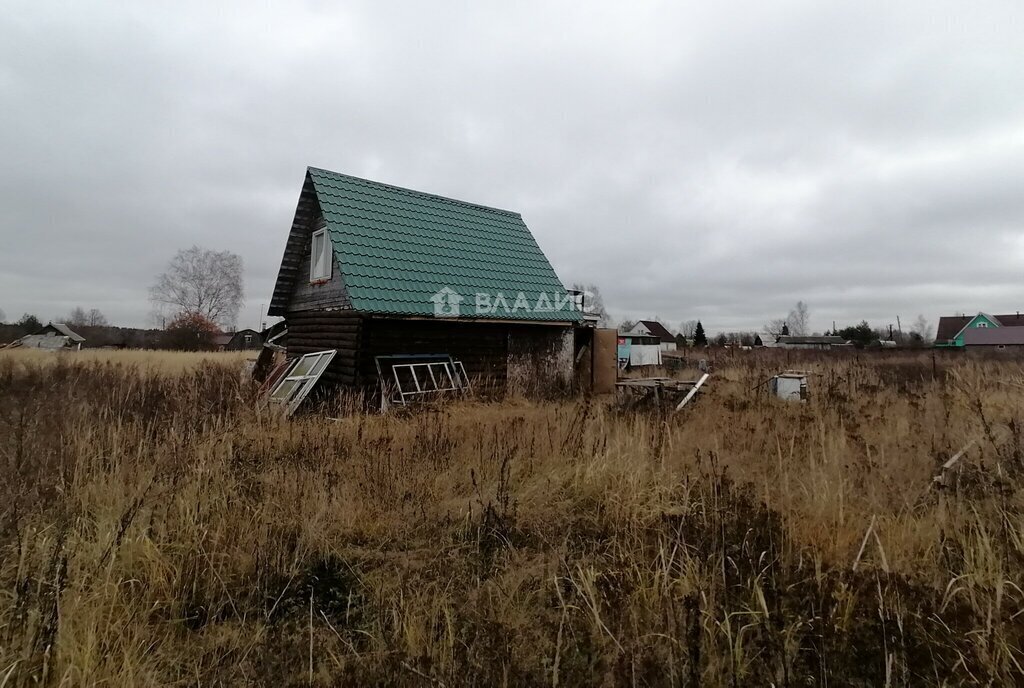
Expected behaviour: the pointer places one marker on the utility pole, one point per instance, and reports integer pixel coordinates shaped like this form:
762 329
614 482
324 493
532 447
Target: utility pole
261 319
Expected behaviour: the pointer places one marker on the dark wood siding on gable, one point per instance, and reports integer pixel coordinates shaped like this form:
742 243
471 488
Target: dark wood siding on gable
307 296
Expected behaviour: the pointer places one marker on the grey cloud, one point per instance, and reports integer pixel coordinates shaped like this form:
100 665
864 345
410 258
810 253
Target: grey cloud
706 160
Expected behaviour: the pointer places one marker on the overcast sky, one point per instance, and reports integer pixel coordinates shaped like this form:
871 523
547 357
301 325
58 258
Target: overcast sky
712 160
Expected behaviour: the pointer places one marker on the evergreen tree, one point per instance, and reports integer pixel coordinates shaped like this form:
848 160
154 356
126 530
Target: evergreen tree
861 335
699 338
30 323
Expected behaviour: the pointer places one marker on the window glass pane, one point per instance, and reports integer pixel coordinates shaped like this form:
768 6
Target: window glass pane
320 365
316 255
284 390
305 365
301 389
325 256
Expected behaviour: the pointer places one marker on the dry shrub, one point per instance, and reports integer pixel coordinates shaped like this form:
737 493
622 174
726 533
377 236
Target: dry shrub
159 528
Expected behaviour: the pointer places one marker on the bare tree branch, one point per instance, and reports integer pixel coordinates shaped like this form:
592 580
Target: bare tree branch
799 320
776 327
202 282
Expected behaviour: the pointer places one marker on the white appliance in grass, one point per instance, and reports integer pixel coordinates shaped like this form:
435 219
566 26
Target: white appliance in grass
790 386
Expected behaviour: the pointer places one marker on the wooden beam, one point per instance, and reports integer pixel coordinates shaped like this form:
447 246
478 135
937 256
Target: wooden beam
693 392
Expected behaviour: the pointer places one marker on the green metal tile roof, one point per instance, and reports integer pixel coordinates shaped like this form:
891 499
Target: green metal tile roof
398 248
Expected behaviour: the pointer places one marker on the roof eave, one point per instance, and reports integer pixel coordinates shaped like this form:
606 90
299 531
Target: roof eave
464 320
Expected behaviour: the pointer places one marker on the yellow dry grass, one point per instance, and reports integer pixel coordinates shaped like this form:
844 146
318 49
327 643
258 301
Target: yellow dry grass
162 361
159 529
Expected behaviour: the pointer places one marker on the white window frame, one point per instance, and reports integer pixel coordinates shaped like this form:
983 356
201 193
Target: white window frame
325 255
981 325
300 379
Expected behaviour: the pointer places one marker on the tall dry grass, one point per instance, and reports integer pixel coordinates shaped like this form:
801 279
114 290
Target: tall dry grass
157 529
161 361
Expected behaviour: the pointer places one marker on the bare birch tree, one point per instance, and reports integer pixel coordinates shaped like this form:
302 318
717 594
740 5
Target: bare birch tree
95 318
777 327
799 320
202 282
923 329
79 317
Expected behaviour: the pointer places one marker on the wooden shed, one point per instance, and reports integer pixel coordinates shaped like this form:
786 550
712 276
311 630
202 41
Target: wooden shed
373 270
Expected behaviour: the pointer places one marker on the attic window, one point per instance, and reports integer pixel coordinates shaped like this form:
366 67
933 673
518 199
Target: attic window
982 324
320 257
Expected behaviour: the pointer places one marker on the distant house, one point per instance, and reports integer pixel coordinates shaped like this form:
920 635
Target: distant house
813 342
639 349
1009 339
656 329
953 330
242 340
53 337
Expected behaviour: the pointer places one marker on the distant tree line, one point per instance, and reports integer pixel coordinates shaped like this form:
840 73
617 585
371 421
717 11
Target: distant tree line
797 324
184 333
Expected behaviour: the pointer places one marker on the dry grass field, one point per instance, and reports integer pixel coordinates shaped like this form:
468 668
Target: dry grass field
157 529
149 361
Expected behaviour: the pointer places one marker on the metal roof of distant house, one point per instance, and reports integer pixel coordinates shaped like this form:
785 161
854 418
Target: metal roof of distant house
66 331
398 248
994 336
820 339
645 339
951 325
658 330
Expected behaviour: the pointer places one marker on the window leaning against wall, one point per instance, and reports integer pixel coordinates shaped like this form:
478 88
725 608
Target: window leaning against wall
320 257
300 379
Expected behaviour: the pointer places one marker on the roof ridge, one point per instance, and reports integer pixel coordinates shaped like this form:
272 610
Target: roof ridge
414 192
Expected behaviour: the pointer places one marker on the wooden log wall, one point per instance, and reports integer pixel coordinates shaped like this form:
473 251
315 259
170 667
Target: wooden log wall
310 331
482 347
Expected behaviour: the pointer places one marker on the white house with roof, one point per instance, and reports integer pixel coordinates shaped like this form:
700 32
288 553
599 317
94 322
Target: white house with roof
653 328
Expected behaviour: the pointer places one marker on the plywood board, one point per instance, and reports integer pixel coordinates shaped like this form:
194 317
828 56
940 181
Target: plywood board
605 361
